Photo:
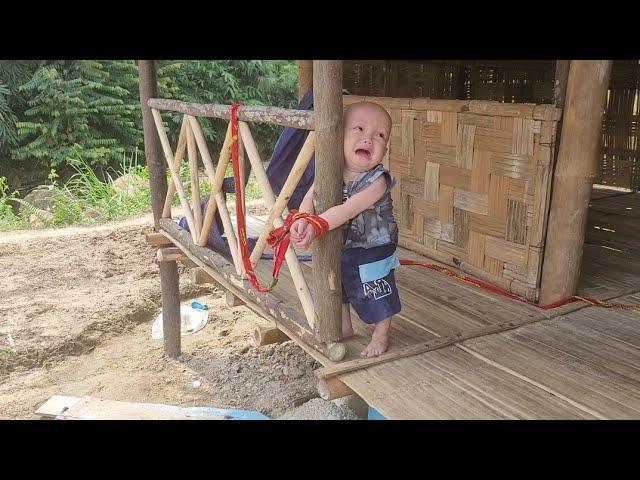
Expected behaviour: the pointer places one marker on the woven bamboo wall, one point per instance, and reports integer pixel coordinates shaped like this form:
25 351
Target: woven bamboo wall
620 163
473 184
513 81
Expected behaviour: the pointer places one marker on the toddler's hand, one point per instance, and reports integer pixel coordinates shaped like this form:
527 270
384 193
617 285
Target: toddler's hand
298 229
306 238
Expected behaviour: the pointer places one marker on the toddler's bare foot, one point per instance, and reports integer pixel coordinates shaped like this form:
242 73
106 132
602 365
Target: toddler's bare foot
378 345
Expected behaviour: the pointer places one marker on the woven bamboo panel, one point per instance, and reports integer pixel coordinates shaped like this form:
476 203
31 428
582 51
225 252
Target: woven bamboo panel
513 81
620 162
473 183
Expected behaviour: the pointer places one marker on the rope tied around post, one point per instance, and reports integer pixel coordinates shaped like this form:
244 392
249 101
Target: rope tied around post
279 238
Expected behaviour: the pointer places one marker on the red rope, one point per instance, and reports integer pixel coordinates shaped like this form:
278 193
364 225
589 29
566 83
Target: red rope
279 238
506 293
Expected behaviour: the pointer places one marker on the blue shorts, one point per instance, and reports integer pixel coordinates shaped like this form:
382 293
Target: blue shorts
368 281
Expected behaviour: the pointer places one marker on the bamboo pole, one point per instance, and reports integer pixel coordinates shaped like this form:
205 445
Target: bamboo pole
216 175
155 239
171 190
327 100
573 178
229 232
302 289
169 254
287 319
268 335
240 194
303 119
195 181
175 176
300 165
169 281
305 77
333 388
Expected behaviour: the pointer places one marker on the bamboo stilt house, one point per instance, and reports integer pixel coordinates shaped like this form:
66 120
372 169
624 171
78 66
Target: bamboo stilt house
494 163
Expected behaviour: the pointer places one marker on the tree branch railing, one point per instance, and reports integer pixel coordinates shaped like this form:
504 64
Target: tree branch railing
192 142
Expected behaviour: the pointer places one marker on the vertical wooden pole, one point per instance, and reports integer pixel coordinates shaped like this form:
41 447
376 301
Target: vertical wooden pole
158 185
327 100
573 178
305 77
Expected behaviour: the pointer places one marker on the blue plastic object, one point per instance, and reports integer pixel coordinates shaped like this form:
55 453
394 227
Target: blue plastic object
373 414
199 306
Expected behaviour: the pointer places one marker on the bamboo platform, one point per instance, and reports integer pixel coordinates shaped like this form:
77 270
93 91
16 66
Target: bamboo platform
511 360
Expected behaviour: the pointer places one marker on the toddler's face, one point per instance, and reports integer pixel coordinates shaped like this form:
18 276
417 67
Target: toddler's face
366 133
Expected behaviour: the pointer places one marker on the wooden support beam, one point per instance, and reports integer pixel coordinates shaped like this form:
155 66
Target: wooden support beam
327 99
232 300
333 388
268 335
195 180
177 161
170 254
200 277
267 305
156 239
573 178
303 119
277 206
305 77
169 281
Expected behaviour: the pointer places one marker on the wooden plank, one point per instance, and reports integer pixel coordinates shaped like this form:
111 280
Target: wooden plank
461 227
471 201
481 171
445 106
476 249
506 251
440 153
492 265
502 109
522 136
486 121
464 146
605 393
446 232
432 182
449 130
456 177
512 166
498 193
424 208
455 385
87 408
432 228
445 203
407 133
520 191
496 227
516 222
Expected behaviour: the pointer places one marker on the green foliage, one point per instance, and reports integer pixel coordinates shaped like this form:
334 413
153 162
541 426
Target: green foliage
84 116
8 218
80 111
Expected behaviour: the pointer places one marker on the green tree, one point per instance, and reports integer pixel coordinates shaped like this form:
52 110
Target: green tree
80 110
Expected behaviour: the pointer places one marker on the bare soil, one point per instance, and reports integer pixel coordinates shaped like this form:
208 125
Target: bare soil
75 319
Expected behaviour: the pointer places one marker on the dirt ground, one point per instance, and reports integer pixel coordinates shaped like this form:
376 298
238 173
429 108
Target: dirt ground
75 319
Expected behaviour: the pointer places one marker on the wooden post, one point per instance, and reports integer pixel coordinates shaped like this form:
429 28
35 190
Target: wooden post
327 100
305 77
268 335
158 185
573 178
